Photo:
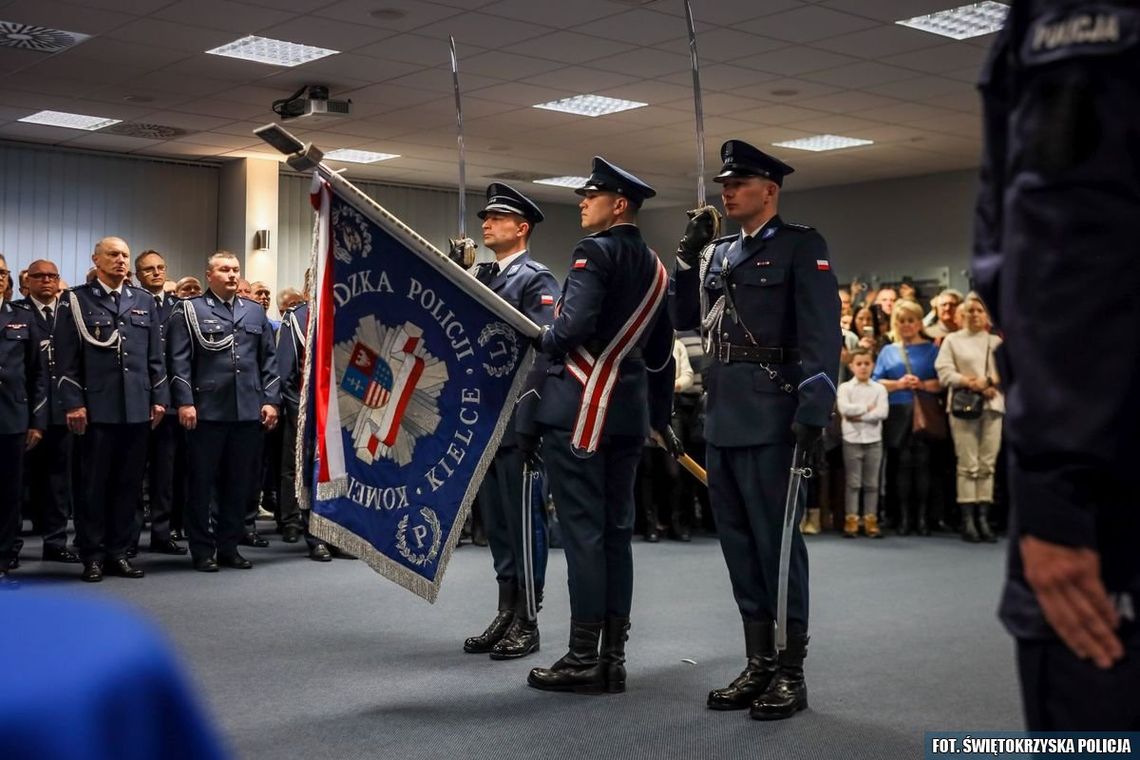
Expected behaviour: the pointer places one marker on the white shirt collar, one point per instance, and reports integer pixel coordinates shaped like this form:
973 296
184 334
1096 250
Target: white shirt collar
40 305
108 289
506 261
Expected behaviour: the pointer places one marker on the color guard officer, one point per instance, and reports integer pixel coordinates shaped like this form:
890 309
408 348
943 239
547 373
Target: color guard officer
767 299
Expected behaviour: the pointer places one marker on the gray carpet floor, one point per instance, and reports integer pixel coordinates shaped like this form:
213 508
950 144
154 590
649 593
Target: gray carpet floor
297 659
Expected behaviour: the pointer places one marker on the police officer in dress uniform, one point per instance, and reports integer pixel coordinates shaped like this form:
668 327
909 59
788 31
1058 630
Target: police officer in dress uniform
508 221
291 345
1055 222
23 412
150 271
598 403
226 387
47 470
768 300
113 384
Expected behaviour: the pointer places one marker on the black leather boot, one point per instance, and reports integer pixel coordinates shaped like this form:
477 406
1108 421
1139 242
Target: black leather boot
614 636
521 638
579 670
984 529
969 528
922 528
760 647
904 519
483 643
787 694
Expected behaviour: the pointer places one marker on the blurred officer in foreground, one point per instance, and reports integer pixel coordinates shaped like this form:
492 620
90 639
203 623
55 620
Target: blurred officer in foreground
509 219
227 391
598 402
23 412
1056 215
767 299
114 388
47 471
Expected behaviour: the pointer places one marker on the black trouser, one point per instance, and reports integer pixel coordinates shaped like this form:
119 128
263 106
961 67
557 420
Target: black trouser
161 449
912 476
689 426
253 495
290 508
181 481
222 457
271 473
748 487
12 448
594 500
500 497
1061 692
113 460
48 468
658 491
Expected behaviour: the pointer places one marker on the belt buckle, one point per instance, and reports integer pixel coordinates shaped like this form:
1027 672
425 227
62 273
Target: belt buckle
724 352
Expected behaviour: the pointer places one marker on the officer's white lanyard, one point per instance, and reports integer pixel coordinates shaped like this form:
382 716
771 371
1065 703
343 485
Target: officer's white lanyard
196 331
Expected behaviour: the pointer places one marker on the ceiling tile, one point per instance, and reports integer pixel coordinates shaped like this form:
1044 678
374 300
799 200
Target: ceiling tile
111 142
492 32
191 121
918 88
417 13
505 66
860 75
521 94
942 58
580 79
790 90
639 27
729 12
569 47
645 62
724 44
649 91
123 53
878 42
778 115
848 101
807 24
440 80
553 14
412 48
793 61
888 10
168 34
327 33
832 124
721 76
237 18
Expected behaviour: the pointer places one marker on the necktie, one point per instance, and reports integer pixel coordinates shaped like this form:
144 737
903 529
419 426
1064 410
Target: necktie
158 301
47 313
490 273
115 298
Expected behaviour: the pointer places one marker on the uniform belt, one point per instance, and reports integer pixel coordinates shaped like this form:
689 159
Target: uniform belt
727 352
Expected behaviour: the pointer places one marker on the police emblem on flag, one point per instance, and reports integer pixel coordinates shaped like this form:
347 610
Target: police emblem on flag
351 239
388 392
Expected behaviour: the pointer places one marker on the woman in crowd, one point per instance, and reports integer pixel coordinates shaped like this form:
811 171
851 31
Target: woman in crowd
966 363
906 369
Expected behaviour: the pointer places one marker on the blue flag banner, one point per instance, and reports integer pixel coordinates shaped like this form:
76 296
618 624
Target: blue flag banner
414 371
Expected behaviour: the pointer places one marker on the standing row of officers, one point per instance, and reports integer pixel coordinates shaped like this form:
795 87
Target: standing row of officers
138 380
603 381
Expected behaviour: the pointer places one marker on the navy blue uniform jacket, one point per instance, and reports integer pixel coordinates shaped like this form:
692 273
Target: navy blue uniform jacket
610 272
784 292
1055 259
230 384
117 383
23 392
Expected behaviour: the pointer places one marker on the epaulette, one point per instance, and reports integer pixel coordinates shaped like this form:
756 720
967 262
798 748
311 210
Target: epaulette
20 305
144 291
537 266
799 227
245 298
600 233
723 239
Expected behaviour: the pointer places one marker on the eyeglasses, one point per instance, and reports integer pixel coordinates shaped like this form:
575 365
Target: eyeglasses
43 275
4 273
154 269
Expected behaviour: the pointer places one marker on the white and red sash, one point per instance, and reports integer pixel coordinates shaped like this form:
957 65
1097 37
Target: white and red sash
598 375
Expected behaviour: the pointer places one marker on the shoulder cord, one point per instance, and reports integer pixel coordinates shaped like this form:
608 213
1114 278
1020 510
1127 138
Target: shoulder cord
81 326
196 331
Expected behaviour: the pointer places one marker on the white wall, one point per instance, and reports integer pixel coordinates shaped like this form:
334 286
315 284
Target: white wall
56 204
875 230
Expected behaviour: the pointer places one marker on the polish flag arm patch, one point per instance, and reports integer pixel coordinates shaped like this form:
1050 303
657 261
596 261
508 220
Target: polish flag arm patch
580 263
547 300
823 265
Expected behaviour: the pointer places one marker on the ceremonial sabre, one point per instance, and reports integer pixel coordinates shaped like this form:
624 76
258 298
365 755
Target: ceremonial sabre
463 248
528 541
798 473
694 469
698 106
459 139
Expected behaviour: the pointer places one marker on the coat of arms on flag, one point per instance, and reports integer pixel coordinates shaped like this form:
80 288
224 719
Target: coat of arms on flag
412 376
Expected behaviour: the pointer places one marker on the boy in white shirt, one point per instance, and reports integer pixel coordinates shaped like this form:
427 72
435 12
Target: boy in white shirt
862 405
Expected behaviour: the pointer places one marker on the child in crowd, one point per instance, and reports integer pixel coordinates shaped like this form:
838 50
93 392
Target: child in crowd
862 405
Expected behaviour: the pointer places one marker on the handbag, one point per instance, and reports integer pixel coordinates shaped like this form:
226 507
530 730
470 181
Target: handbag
929 418
966 404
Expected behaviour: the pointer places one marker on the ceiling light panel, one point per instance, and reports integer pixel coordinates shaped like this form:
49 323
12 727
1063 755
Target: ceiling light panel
574 182
961 23
273 52
359 156
69 120
819 143
590 105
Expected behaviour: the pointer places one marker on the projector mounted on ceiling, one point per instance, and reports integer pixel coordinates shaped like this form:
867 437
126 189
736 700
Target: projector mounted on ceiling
311 101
